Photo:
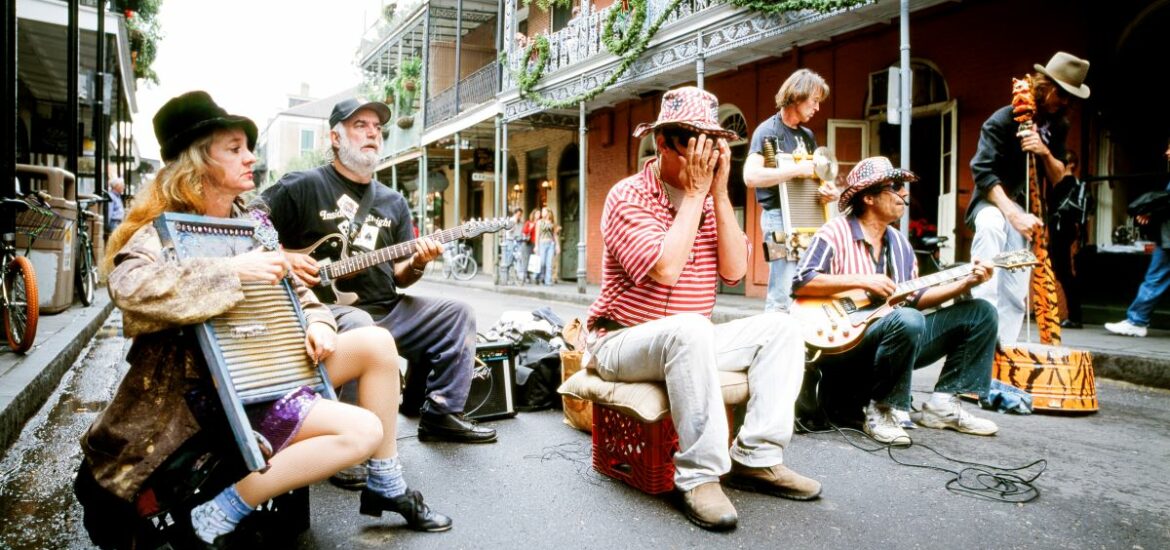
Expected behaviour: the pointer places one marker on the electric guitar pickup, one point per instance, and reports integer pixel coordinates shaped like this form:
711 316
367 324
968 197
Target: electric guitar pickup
835 324
334 261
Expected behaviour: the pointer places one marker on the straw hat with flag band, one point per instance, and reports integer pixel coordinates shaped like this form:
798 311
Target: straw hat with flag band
690 108
868 173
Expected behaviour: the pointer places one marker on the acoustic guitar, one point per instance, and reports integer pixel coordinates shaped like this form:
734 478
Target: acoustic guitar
835 324
334 261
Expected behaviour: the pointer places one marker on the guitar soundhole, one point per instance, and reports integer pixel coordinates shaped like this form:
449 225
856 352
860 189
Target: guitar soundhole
848 304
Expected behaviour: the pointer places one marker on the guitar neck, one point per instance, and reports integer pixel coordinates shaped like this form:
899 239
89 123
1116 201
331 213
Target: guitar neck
934 279
353 264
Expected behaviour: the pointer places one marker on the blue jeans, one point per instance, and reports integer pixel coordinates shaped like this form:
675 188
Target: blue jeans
547 254
780 272
880 367
1152 289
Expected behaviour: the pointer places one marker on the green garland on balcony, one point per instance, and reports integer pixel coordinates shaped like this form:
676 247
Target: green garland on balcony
636 18
528 76
781 6
632 45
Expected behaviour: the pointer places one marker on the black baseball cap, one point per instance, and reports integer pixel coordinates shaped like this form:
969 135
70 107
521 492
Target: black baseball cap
346 108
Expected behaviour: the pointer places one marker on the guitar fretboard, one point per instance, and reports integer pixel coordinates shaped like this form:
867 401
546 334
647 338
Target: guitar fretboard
390 253
945 276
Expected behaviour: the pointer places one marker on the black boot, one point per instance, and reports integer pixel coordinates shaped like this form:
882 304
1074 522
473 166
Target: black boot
410 505
452 427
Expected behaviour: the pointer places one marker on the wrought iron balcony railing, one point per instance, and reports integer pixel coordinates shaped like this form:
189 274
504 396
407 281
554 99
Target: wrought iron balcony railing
475 89
581 39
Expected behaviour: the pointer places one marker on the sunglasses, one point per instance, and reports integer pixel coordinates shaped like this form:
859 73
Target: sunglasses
896 186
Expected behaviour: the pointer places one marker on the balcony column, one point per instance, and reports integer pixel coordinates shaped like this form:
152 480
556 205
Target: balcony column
72 116
501 187
426 72
394 177
458 178
700 63
458 60
422 193
8 124
582 221
100 140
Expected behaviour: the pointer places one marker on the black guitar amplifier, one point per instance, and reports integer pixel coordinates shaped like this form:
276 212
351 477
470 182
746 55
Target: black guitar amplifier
492 380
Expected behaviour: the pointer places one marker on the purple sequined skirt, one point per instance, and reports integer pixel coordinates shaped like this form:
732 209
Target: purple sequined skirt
283 420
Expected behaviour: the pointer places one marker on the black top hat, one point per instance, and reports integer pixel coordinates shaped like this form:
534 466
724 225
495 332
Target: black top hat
347 107
190 116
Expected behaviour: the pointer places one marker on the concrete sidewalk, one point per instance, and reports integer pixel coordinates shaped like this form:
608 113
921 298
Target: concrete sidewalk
1143 361
27 380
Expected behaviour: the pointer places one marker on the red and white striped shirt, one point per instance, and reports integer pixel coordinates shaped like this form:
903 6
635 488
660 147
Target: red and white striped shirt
634 222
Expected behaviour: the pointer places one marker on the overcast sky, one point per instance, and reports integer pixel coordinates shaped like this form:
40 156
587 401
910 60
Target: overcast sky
250 54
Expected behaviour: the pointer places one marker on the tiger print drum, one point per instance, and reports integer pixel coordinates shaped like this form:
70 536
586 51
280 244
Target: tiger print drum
1059 378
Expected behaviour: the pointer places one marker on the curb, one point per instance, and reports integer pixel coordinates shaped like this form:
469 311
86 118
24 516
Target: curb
38 374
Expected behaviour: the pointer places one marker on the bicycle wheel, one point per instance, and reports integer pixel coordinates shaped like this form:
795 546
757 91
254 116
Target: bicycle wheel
86 275
21 308
465 268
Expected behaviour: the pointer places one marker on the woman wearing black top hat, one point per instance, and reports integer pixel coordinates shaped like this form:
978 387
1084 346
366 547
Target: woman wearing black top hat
157 406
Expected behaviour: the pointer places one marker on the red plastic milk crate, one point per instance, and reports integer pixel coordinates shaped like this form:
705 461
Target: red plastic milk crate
638 453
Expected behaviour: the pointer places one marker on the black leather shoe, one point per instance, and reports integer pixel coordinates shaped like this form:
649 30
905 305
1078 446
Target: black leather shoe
418 515
352 478
1069 323
453 427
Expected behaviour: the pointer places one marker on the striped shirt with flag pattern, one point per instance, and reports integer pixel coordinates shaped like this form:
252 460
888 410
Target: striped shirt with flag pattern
839 248
634 222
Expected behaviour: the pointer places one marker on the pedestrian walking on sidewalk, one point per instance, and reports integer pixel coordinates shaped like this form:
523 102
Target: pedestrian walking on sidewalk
1157 281
165 399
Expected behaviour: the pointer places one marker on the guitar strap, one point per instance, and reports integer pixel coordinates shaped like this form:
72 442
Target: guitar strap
363 210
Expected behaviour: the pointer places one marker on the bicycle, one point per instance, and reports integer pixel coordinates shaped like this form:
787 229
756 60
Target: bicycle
458 263
19 298
85 274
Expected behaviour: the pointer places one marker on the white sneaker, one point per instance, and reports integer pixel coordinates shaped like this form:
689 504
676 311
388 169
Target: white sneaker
903 418
952 416
1126 328
881 425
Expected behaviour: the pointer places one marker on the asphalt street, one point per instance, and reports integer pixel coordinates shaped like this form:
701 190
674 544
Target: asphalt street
1103 482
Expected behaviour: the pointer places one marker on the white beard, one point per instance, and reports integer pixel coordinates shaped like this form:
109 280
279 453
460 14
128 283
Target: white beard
360 162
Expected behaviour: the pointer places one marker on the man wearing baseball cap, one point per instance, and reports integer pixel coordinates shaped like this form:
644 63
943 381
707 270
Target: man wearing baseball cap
435 335
862 251
670 235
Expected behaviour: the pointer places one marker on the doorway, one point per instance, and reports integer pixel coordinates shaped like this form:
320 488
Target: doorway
569 205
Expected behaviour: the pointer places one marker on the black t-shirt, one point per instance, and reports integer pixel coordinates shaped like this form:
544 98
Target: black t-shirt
787 138
311 204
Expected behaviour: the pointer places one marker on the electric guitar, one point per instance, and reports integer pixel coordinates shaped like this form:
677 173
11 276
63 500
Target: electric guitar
835 324
334 261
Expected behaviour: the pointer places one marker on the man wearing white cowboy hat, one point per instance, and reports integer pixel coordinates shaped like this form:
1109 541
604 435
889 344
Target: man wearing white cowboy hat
861 250
670 235
995 212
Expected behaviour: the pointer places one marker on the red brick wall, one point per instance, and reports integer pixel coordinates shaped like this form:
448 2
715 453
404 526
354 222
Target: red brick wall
965 41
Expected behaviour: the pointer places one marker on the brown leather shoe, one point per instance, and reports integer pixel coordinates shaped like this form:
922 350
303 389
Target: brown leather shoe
775 480
707 507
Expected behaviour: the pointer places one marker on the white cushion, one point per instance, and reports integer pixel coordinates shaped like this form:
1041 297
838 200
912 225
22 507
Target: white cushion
646 401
